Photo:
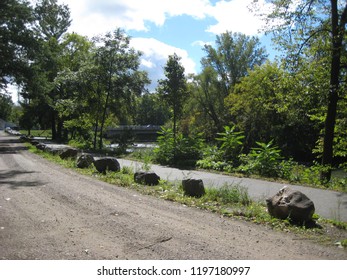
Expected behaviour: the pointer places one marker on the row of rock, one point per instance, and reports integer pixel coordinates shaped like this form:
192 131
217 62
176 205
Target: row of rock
287 203
84 160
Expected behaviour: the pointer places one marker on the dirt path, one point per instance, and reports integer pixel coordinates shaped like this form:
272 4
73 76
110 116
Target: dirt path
48 212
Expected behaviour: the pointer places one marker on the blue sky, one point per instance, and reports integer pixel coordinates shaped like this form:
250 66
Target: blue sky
160 28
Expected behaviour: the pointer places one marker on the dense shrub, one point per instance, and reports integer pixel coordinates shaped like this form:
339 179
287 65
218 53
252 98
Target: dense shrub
231 144
185 151
263 160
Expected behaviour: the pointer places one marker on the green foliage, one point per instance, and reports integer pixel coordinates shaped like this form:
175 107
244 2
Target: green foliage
184 152
164 153
6 105
235 54
231 143
17 42
212 158
174 88
151 110
227 195
263 160
188 150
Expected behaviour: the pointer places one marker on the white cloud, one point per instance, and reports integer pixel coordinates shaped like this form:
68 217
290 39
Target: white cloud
201 43
235 16
92 17
155 55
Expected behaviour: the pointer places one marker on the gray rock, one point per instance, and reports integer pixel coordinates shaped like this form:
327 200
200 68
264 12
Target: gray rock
34 142
24 138
55 149
41 146
193 187
146 178
84 160
291 204
69 152
106 164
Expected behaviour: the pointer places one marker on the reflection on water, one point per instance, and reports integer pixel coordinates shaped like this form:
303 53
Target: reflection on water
135 146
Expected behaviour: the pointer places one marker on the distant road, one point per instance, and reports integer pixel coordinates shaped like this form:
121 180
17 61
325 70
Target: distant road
328 204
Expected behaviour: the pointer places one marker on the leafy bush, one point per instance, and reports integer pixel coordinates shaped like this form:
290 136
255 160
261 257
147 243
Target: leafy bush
184 152
164 153
231 144
212 158
263 160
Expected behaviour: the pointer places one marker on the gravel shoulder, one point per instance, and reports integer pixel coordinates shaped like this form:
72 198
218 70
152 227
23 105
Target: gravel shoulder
48 212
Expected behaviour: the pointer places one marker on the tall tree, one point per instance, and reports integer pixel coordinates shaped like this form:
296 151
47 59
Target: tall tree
52 21
117 63
299 24
16 40
224 65
6 105
174 87
151 110
234 55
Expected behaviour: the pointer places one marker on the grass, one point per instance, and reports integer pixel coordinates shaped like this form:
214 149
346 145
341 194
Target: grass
38 133
230 201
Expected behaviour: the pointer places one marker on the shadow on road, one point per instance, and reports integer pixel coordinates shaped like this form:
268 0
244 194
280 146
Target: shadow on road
7 147
8 178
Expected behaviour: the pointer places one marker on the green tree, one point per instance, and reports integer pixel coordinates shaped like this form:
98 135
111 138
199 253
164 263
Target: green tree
174 88
266 105
234 55
75 55
117 64
151 110
224 65
299 24
16 40
6 105
209 97
52 21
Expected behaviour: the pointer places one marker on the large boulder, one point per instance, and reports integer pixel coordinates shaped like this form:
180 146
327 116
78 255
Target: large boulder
146 178
193 187
288 203
41 146
84 160
107 164
34 142
55 149
24 138
69 152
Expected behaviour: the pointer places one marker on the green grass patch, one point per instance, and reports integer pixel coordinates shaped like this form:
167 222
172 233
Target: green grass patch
38 133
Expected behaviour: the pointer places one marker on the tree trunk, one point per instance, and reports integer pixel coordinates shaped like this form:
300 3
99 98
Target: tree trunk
338 30
53 124
103 122
60 129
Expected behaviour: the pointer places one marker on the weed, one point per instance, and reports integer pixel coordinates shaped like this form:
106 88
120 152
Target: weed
229 194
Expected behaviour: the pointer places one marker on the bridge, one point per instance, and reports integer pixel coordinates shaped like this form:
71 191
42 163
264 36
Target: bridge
143 133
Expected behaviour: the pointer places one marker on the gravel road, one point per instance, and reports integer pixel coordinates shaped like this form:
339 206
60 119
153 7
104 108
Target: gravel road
48 212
